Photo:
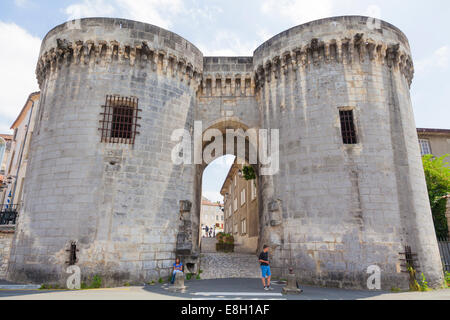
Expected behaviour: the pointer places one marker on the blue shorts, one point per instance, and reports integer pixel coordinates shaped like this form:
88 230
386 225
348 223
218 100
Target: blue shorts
265 271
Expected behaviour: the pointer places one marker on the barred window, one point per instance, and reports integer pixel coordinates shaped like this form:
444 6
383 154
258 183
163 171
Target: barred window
120 116
348 127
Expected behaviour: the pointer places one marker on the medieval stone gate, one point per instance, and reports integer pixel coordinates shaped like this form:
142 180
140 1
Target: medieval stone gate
350 192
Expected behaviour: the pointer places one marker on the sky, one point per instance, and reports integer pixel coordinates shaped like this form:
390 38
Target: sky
228 28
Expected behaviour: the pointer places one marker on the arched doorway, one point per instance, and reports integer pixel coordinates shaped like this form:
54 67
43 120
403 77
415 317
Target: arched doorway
240 196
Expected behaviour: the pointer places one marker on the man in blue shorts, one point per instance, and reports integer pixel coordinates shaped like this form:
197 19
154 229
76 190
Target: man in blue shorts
265 267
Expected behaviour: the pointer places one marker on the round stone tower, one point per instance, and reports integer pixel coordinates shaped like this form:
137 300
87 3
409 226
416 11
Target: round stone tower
351 191
101 173
103 193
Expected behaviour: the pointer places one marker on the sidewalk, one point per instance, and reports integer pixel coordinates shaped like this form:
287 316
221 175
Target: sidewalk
233 289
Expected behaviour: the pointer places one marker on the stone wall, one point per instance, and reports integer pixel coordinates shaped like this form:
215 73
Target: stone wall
119 202
332 210
344 207
6 237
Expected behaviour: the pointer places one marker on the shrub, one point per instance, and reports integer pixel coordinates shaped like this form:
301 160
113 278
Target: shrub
249 173
423 283
437 175
220 236
96 282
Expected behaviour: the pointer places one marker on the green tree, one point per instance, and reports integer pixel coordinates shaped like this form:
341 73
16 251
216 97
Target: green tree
437 175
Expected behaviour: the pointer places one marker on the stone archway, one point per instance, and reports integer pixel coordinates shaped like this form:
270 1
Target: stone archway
244 256
222 125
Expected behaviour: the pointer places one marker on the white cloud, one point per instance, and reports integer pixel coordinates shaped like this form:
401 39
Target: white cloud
158 12
22 3
225 43
439 59
18 59
213 196
373 11
298 11
90 8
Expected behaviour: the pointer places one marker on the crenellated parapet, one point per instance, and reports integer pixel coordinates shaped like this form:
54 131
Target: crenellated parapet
316 52
348 40
227 77
141 54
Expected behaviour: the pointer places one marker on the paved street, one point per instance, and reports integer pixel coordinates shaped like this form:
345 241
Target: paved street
245 289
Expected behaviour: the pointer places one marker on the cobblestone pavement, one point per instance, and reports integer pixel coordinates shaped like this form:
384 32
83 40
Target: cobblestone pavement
229 265
233 289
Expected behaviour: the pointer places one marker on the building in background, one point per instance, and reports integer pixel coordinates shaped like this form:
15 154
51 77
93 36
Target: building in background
16 162
5 148
434 141
211 216
437 143
241 210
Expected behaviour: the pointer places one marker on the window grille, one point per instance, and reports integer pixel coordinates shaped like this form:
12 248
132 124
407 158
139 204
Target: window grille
120 117
348 127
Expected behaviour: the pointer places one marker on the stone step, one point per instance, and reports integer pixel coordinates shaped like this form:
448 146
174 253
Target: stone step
229 265
208 245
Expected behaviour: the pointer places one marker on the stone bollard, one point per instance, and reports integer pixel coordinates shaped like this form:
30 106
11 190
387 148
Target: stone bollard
179 282
291 285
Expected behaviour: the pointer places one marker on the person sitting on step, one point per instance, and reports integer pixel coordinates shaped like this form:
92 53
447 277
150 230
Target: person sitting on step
177 268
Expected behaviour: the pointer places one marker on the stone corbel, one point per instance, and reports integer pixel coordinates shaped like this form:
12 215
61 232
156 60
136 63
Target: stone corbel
252 86
102 51
172 64
285 62
115 47
189 73
181 69
327 53
359 44
339 58
213 86
165 64
88 48
393 55
77 51
382 53
267 71
154 58
53 60
371 48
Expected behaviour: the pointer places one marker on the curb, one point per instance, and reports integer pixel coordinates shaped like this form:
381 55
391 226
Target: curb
20 287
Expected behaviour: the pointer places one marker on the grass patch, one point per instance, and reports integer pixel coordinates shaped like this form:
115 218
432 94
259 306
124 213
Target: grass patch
46 286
